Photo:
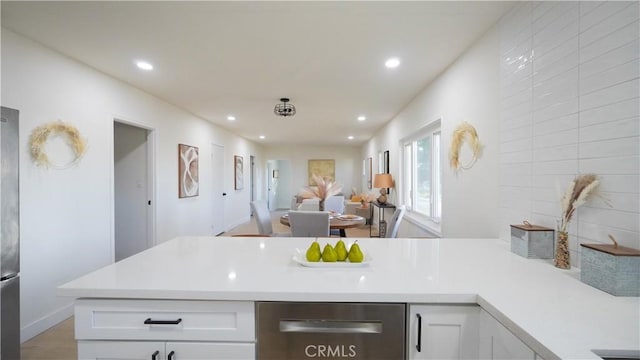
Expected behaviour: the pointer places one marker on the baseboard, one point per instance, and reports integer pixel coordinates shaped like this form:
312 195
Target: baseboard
237 223
46 322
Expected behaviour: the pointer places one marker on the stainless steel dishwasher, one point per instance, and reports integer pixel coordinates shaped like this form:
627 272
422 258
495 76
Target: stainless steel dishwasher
303 330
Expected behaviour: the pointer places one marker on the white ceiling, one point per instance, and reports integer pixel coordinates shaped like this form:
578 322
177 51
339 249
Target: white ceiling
219 58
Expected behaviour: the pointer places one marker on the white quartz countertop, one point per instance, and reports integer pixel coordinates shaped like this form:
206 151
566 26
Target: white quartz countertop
550 309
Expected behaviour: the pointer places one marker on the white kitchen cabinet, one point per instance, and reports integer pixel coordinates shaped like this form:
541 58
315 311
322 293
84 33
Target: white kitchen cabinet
210 351
164 329
121 350
145 350
497 342
123 319
443 332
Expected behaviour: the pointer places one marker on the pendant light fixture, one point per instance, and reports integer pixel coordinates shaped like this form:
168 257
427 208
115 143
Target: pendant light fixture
284 108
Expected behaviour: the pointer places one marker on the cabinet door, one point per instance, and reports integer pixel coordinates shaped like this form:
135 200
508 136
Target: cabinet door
497 342
120 350
210 351
443 332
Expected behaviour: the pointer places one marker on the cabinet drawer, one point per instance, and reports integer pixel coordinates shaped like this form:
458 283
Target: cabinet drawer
97 319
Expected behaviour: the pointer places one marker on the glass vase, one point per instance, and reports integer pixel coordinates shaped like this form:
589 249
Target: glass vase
561 259
321 205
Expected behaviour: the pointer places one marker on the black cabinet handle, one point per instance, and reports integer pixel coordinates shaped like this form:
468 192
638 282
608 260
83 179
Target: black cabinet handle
170 356
154 356
419 344
162 322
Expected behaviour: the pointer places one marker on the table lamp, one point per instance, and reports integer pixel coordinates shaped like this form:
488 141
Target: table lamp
382 181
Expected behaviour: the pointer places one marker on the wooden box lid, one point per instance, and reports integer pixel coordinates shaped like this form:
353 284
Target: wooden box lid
613 250
531 227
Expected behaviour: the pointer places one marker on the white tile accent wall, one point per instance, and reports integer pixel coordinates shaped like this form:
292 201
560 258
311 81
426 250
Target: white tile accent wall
570 95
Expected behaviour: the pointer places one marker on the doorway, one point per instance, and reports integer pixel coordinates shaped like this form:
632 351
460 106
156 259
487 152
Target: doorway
252 177
133 189
279 191
217 186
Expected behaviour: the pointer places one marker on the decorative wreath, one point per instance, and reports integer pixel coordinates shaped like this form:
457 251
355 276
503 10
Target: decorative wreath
40 135
464 132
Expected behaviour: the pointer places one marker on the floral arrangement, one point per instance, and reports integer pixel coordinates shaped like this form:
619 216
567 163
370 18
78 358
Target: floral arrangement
366 198
40 135
465 132
323 189
576 195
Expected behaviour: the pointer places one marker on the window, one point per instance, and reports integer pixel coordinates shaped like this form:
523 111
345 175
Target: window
422 173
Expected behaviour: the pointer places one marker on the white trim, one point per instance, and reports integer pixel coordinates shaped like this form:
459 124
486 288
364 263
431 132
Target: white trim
151 188
239 222
424 223
44 323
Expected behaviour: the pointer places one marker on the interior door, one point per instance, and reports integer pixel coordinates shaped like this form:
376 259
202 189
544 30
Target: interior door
217 185
252 176
271 190
131 154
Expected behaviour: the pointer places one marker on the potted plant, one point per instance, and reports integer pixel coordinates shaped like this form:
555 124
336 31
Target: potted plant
322 190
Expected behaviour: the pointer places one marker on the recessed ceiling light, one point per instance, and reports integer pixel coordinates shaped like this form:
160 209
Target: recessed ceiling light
350 137
392 63
362 118
262 136
231 118
144 65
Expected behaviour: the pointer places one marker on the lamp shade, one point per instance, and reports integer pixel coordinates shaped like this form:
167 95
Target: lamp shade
382 181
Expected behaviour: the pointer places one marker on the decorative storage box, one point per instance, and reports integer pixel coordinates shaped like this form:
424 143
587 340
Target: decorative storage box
615 270
532 241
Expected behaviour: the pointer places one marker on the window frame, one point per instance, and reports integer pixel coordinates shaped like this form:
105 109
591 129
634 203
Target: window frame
432 220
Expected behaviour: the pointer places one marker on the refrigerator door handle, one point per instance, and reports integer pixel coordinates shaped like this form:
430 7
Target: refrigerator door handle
8 276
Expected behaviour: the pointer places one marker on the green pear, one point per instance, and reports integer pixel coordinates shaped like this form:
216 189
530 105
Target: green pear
313 252
341 250
355 254
315 245
329 254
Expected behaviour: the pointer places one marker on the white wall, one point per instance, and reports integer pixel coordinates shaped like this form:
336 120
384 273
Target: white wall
347 159
466 91
573 109
569 105
67 215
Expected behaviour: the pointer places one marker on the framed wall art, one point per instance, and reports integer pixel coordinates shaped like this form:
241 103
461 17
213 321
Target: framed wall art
188 184
238 170
324 168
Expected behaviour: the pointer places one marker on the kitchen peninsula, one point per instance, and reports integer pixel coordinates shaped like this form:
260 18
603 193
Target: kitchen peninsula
548 310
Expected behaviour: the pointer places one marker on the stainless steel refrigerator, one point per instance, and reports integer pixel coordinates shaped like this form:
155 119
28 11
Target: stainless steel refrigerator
10 237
